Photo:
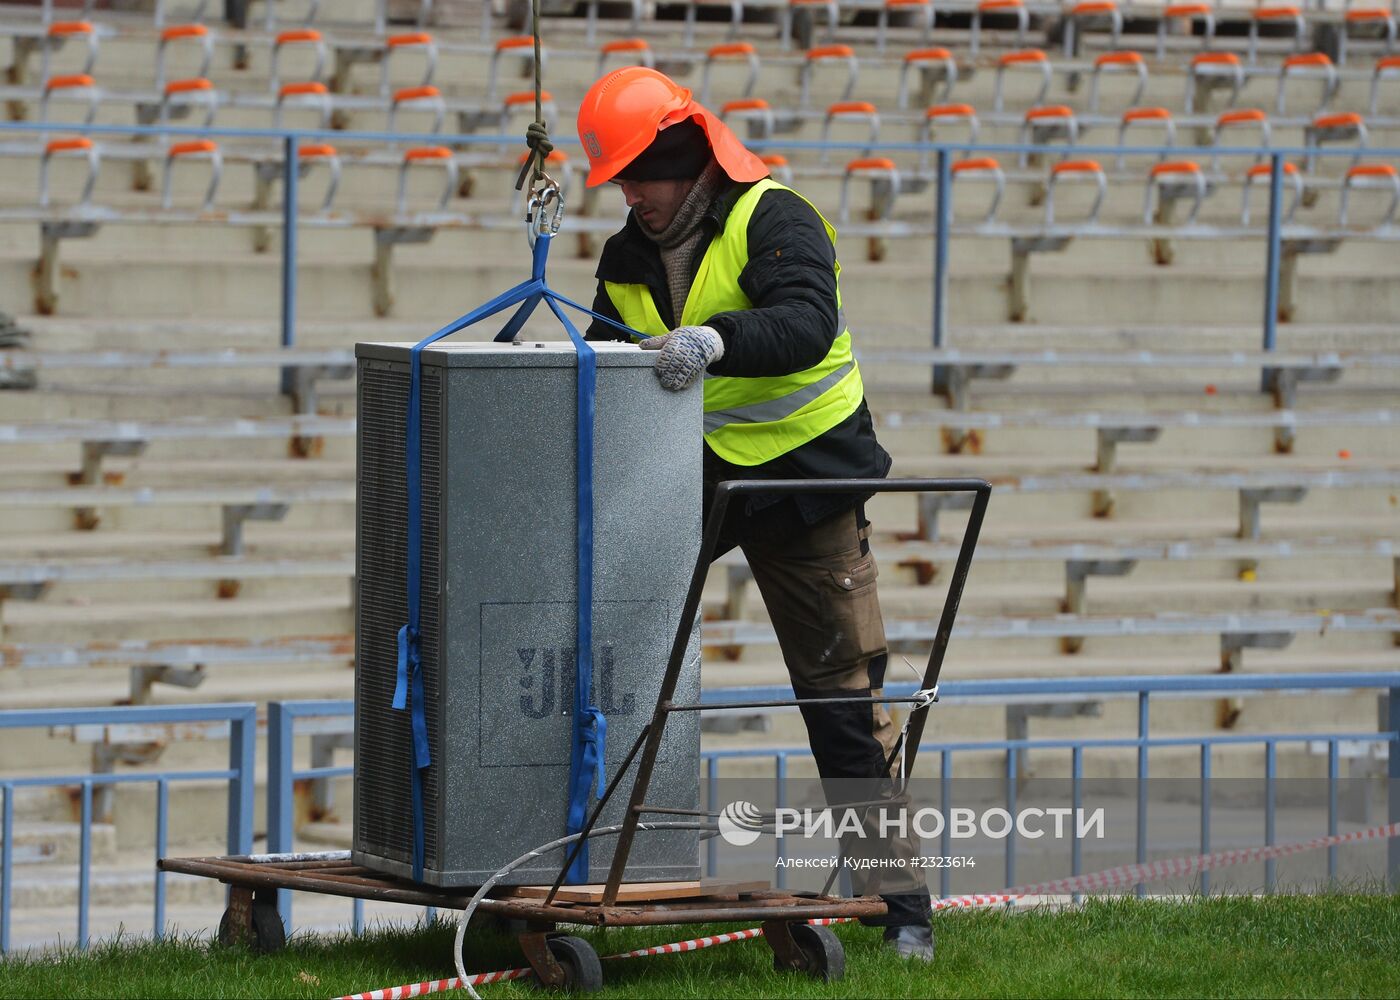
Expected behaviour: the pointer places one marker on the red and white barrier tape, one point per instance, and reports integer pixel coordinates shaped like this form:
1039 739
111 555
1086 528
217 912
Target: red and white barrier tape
1123 875
1155 871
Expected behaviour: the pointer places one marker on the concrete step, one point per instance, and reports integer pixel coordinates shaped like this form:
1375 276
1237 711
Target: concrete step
51 886
39 843
429 279
207 619
267 540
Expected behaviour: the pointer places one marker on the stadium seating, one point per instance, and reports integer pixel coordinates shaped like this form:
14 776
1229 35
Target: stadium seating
174 517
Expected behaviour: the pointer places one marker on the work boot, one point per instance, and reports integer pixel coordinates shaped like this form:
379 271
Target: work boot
910 941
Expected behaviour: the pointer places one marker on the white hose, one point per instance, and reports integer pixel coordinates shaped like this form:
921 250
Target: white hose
606 831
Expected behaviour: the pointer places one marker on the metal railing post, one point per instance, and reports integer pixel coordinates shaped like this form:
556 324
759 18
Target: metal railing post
242 747
280 804
1392 856
1271 276
289 251
1270 812
162 839
1142 785
945 804
1010 853
84 865
1076 850
7 863
780 802
1333 772
1205 813
942 221
712 805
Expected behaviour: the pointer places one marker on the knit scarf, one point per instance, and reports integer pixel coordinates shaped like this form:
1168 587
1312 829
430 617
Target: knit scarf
679 240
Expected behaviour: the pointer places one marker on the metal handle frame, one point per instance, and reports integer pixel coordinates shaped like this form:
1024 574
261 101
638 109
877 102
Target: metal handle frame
649 740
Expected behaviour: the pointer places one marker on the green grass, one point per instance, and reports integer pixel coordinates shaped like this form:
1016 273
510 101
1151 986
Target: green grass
1323 946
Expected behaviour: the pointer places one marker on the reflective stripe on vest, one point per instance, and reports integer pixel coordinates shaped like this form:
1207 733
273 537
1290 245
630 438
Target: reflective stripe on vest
749 421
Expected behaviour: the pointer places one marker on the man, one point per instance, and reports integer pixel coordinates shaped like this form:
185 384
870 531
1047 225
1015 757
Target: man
734 277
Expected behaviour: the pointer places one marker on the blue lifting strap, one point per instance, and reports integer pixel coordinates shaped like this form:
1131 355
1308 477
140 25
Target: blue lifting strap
589 725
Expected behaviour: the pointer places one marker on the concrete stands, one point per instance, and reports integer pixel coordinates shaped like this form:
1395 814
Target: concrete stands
1169 496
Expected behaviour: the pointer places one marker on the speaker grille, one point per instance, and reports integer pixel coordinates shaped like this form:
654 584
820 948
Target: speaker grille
383 736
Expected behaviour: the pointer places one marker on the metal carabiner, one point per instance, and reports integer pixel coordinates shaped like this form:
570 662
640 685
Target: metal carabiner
540 219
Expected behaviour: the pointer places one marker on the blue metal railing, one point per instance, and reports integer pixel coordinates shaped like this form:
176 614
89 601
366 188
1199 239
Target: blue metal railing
283 774
290 140
242 720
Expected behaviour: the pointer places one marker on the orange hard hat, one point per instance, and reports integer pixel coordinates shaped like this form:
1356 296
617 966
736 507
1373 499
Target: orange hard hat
622 113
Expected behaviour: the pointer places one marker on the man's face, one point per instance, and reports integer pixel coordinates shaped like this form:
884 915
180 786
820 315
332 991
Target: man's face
655 202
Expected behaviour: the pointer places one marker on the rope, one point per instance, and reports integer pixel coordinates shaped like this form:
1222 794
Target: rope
536 133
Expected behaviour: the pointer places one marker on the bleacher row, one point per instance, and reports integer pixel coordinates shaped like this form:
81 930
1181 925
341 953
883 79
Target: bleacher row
303 77
176 526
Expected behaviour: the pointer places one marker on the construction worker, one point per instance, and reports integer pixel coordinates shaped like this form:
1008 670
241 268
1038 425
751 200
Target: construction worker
734 278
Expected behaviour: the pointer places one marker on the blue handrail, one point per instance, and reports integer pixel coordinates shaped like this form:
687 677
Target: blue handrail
282 773
240 775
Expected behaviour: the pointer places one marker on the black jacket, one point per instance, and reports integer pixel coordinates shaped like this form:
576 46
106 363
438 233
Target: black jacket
791 280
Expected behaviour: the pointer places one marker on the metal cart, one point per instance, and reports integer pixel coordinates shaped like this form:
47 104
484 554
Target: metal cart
561 960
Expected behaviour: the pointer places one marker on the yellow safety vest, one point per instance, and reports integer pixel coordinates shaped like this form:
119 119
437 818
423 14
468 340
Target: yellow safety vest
749 421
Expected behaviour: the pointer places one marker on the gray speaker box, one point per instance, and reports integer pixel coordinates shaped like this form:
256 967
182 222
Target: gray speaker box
498 606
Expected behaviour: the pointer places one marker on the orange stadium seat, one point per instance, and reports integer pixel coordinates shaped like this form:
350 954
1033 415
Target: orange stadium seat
395 46
73 146
1033 60
439 157
924 8
1046 124
185 36
1373 176
1246 118
982 168
941 116
1076 171
1170 182
1118 62
516 45
300 38
1276 15
854 111
1212 71
933 65
1368 22
1261 173
1153 117
1092 13
730 52
1314 65
310 94
1189 13
638 50
427 99
197 149
1387 68
998 9
824 55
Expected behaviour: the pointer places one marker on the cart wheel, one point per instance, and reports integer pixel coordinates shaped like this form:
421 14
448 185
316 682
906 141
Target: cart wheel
583 973
268 934
825 956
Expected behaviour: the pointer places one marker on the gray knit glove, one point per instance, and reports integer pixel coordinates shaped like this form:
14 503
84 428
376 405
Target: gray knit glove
685 354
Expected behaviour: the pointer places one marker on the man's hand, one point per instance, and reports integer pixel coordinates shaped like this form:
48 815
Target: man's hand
685 354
